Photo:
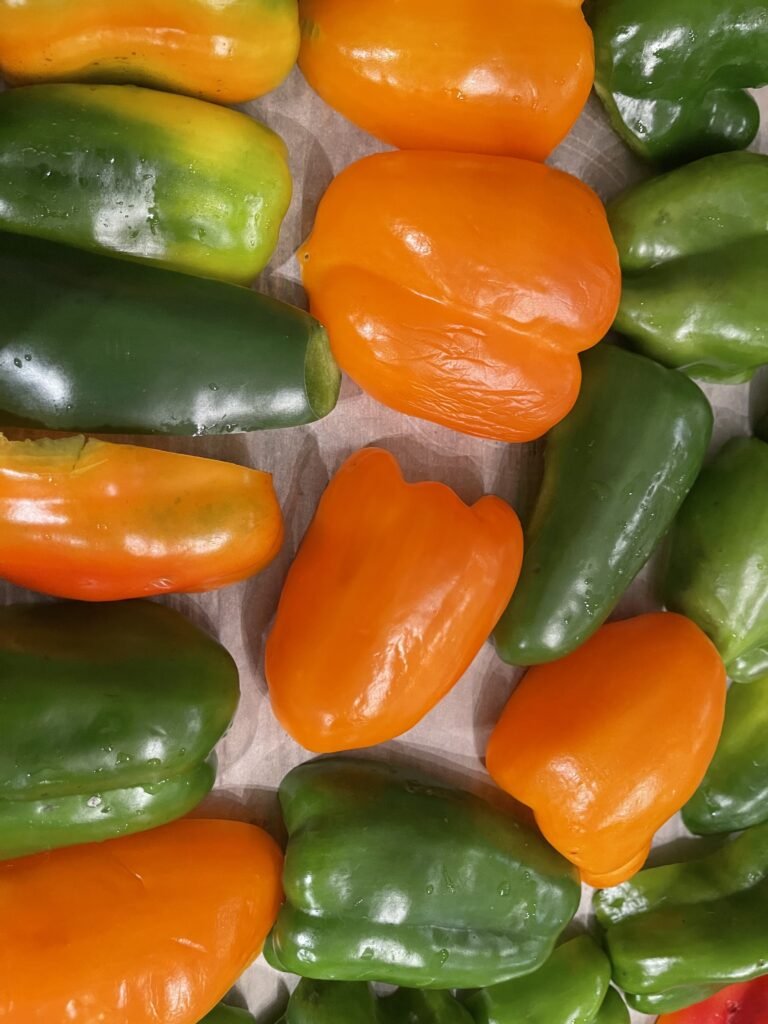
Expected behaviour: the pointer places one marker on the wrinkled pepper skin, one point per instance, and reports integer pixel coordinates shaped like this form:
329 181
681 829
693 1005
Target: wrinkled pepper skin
616 471
734 793
635 714
718 553
97 345
151 927
677 934
94 521
508 77
693 246
672 74
166 179
334 1002
228 1015
478 899
568 989
109 714
225 52
408 581
461 288
744 1003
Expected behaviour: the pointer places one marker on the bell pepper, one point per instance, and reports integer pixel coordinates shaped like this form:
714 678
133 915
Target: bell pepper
734 792
147 175
461 288
151 927
613 1010
508 77
222 1014
609 742
744 1003
568 989
335 1002
408 582
100 522
393 876
95 344
694 255
677 934
718 554
109 713
673 73
616 471
225 52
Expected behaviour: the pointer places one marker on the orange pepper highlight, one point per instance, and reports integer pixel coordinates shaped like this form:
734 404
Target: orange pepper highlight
508 77
461 289
226 52
394 590
101 522
608 743
152 927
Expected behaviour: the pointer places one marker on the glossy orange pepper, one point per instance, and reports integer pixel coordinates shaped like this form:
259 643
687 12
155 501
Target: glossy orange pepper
102 522
608 743
154 927
499 76
228 52
394 590
461 289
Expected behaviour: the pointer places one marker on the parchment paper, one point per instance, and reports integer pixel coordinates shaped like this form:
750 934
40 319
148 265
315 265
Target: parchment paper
256 753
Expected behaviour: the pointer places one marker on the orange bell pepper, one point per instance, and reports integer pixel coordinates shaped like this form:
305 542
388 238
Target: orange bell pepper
226 52
609 742
394 590
101 522
500 76
461 289
150 928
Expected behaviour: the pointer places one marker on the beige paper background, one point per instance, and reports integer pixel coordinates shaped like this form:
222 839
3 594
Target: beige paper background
256 753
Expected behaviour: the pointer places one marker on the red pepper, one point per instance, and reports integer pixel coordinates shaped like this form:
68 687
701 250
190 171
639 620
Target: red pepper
745 1003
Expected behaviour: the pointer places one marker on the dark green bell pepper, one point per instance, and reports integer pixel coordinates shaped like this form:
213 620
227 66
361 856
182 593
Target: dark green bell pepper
222 1014
672 73
679 933
616 470
568 989
338 1002
108 715
734 792
693 246
393 876
92 344
718 564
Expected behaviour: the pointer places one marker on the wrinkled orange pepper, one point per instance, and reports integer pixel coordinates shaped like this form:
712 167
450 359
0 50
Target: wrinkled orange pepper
229 52
461 289
498 76
101 522
608 743
394 590
149 928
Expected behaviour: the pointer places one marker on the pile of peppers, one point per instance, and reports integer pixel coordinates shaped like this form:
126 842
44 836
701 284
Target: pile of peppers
460 280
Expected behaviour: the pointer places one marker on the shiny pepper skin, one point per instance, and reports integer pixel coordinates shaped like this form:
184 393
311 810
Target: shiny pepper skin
461 288
508 77
609 742
394 590
152 927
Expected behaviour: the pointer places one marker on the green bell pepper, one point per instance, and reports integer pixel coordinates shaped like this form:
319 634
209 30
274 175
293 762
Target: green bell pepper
614 1009
693 246
222 1014
679 933
143 174
616 470
96 345
734 792
719 554
108 715
392 876
338 1002
672 73
568 989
